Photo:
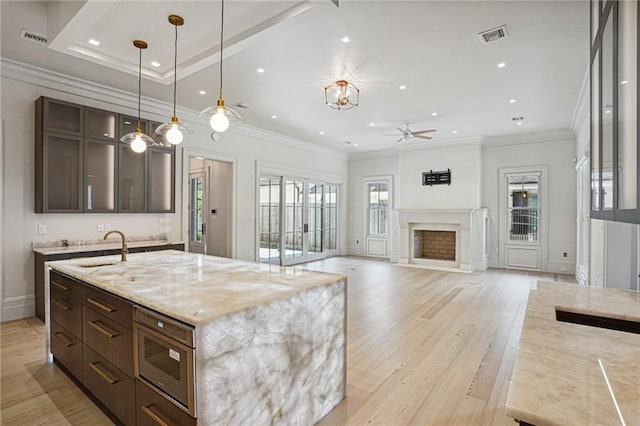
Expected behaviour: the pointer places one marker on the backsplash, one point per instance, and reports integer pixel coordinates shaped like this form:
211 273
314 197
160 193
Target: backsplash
74 243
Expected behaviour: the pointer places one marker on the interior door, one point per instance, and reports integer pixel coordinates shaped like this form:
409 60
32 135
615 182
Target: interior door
197 212
378 208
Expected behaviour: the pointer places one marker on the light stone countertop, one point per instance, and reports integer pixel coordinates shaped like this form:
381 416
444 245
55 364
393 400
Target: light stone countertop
192 287
113 243
570 374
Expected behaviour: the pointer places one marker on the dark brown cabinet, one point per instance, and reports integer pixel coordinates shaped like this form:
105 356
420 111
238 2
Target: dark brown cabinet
153 409
82 167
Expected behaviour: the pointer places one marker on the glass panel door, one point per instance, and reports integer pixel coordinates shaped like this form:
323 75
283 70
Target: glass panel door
523 208
314 221
269 220
293 221
330 217
197 226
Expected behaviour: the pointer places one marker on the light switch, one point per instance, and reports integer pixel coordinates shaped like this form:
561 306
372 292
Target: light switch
100 227
42 229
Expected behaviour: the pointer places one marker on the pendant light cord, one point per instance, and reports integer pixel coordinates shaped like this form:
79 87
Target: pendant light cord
139 84
175 69
221 45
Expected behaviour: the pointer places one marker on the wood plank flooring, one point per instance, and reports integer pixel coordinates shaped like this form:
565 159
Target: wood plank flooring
424 347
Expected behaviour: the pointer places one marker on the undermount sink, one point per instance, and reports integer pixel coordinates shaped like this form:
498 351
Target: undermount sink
96 263
597 321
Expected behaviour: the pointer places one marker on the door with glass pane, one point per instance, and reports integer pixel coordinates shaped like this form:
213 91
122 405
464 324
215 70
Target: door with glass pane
197 210
378 208
269 218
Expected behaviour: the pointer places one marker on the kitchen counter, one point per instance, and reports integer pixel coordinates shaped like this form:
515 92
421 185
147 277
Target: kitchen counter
571 374
270 341
113 243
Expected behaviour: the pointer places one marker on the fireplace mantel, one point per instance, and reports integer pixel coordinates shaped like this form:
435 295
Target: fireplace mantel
470 226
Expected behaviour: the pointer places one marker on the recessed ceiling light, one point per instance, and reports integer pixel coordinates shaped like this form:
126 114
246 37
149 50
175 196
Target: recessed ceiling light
402 87
274 116
345 39
454 131
435 114
260 70
322 133
512 101
355 144
94 42
202 92
519 123
155 64
624 82
372 124
502 65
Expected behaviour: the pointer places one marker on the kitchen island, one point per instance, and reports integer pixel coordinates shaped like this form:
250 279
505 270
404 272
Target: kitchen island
269 342
574 374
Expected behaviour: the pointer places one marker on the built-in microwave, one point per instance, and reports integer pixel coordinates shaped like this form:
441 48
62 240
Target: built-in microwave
164 357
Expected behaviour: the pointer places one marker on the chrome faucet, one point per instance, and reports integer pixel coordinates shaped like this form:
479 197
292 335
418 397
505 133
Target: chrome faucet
125 250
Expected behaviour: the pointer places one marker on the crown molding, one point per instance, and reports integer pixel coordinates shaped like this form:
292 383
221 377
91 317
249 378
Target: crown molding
450 143
581 111
368 155
54 80
557 135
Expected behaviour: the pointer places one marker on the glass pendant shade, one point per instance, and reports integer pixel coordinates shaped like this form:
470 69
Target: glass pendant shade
220 117
341 95
174 131
136 139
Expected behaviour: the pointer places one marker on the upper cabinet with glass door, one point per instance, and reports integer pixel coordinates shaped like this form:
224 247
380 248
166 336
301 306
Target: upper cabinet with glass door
614 111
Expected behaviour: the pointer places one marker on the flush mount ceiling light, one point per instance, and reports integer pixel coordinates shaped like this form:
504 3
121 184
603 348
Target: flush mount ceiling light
220 116
341 95
174 130
137 139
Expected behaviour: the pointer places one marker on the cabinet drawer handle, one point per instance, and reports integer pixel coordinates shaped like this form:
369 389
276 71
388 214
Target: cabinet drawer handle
64 339
60 286
62 305
154 416
102 373
109 333
99 305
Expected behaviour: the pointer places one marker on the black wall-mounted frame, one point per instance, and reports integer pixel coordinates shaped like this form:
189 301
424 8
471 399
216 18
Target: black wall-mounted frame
431 178
605 118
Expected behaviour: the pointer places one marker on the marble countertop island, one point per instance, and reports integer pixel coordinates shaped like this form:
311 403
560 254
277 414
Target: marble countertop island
571 374
270 341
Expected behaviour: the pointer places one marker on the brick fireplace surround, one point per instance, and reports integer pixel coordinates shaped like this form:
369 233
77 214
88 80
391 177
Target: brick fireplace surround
439 245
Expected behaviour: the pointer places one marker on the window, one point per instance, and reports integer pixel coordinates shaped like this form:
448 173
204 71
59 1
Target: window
523 207
378 200
330 217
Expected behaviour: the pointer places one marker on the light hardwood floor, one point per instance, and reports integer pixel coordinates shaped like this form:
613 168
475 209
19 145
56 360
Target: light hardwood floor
424 347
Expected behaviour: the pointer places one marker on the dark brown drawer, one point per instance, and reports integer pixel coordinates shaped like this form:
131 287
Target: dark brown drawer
109 305
66 311
65 285
153 409
109 338
67 349
110 385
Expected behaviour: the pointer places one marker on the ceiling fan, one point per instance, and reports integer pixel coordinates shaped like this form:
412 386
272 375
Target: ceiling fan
408 134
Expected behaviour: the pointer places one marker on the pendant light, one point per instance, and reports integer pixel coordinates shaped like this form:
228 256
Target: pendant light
174 130
137 139
220 116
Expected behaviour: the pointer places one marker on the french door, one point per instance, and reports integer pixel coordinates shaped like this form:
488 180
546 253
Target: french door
298 220
197 209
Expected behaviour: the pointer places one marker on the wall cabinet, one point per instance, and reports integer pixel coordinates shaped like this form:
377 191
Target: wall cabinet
615 94
82 167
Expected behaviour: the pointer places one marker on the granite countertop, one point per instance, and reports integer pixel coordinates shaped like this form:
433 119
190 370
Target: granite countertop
192 287
113 243
575 374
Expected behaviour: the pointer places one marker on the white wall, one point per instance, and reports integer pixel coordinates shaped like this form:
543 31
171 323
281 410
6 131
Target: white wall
464 161
21 86
555 150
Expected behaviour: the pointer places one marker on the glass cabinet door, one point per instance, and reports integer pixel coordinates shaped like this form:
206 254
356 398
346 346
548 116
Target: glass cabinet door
62 173
161 139
161 193
63 117
128 124
99 124
132 183
100 176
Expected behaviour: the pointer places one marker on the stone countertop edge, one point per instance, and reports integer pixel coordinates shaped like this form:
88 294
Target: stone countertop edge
568 373
196 292
110 245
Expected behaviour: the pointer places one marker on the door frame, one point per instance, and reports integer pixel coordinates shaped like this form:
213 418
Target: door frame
389 237
583 219
543 208
187 153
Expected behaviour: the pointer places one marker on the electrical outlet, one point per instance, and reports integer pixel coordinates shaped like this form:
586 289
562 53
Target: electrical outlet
564 254
100 227
42 229
357 242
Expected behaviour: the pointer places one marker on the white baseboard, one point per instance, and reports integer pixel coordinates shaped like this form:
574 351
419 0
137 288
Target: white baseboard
354 251
14 308
561 267
494 262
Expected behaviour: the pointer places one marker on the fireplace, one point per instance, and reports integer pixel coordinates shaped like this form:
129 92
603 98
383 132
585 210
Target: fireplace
444 239
436 245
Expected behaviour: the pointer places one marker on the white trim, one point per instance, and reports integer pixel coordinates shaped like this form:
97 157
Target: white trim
422 146
561 267
582 108
277 169
18 307
188 152
531 137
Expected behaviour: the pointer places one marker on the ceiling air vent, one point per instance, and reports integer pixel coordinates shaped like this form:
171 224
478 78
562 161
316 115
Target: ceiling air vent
35 37
494 34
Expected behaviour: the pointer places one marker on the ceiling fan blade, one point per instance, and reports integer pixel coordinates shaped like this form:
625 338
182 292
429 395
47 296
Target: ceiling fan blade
422 137
419 132
400 140
403 131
